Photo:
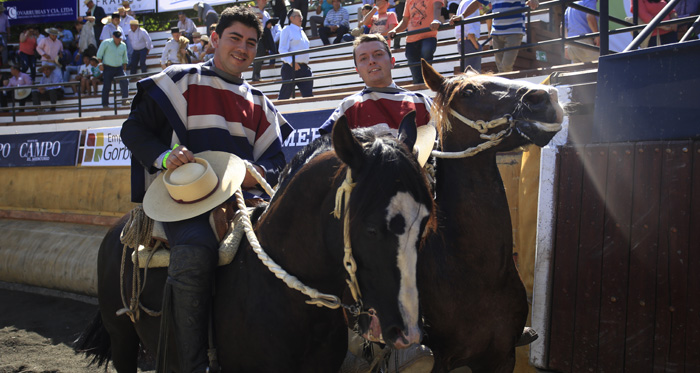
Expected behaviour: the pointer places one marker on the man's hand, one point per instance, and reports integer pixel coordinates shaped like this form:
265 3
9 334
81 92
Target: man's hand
391 33
297 66
455 18
178 157
334 28
435 25
249 181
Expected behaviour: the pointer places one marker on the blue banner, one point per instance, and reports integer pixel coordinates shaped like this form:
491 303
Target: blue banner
39 149
305 130
41 11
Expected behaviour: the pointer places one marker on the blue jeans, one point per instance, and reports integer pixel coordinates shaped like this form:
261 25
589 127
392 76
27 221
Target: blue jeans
306 88
138 58
107 76
28 62
424 48
466 47
70 69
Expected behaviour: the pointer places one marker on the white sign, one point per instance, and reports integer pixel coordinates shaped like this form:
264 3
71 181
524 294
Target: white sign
170 5
104 147
111 6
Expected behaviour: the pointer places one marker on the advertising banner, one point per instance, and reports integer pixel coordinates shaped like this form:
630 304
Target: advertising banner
170 5
39 149
104 147
305 130
111 6
40 11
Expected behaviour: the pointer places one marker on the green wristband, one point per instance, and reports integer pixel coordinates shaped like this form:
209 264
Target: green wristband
165 159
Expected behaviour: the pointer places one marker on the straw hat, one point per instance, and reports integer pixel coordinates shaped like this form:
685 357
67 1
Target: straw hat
86 2
425 142
51 31
196 34
106 20
134 22
47 65
22 93
194 188
127 5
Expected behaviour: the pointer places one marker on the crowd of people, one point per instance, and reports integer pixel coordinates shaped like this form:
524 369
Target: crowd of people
74 54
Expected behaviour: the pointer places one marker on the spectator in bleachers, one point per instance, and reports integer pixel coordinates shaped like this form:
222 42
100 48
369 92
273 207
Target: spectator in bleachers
50 75
66 37
183 50
127 6
451 9
96 68
337 22
73 66
50 48
208 49
111 25
263 47
294 39
142 44
186 25
469 42
112 55
196 47
648 9
172 49
323 6
361 28
124 22
17 79
4 34
99 14
506 31
380 20
579 23
279 9
420 14
27 47
398 9
206 14
84 75
303 6
87 44
381 104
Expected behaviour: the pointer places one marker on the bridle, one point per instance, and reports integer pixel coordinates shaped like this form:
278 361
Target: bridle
482 127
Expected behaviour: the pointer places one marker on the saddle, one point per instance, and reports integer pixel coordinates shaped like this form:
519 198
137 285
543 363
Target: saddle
224 221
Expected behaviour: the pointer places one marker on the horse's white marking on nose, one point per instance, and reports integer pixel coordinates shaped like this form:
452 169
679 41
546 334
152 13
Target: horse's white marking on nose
412 213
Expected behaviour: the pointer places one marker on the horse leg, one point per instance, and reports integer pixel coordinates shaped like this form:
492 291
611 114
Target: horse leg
125 345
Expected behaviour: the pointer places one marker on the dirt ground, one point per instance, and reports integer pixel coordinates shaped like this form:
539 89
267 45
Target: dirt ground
37 332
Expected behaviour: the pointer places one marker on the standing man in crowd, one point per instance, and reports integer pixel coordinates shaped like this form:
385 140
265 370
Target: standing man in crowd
112 55
50 75
294 39
50 49
206 14
337 22
226 114
186 25
111 25
99 14
469 42
141 43
579 23
420 14
124 22
506 31
381 104
263 44
172 49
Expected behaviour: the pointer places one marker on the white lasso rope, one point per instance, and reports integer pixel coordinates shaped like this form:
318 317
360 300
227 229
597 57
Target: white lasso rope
261 180
317 298
482 127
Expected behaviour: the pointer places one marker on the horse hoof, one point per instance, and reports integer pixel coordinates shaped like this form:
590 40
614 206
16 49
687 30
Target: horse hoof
529 335
415 359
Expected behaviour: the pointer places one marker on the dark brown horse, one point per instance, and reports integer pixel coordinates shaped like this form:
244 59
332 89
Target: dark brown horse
472 298
261 324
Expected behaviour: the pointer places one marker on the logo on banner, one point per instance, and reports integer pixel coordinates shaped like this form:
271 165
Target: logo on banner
105 148
12 12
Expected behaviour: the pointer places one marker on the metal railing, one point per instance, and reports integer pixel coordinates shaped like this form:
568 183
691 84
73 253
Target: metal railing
604 34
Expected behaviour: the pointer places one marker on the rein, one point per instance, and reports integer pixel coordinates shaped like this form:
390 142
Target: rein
482 127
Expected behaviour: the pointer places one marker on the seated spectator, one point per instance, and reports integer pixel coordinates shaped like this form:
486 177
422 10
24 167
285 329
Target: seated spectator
294 39
337 22
50 48
208 49
183 46
66 37
50 75
648 9
171 52
17 79
380 20
96 69
469 42
323 7
579 23
72 68
27 46
361 28
186 25
196 47
84 76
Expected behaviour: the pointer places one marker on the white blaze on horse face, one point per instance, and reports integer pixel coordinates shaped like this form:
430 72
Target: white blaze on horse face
404 206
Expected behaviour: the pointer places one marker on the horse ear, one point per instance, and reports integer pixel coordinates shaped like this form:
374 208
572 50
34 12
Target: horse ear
407 130
469 71
432 78
348 149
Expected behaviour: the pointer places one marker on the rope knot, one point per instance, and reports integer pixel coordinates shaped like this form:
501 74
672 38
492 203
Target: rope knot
342 196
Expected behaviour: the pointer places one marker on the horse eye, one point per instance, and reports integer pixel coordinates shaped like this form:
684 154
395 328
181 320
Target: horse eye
468 93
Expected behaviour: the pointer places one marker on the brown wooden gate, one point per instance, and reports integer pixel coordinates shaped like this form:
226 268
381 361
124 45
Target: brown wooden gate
626 272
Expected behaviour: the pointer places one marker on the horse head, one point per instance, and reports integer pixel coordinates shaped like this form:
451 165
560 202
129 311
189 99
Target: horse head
507 112
390 211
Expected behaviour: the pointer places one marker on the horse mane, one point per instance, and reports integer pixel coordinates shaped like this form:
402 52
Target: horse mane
444 96
316 147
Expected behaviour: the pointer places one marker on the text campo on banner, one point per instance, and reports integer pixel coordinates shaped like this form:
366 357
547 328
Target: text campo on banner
104 147
39 149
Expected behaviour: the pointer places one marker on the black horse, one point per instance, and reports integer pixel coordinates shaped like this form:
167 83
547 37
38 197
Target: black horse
262 325
472 298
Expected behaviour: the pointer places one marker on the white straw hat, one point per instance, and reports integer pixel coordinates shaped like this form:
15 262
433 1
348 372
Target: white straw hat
194 188
424 142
